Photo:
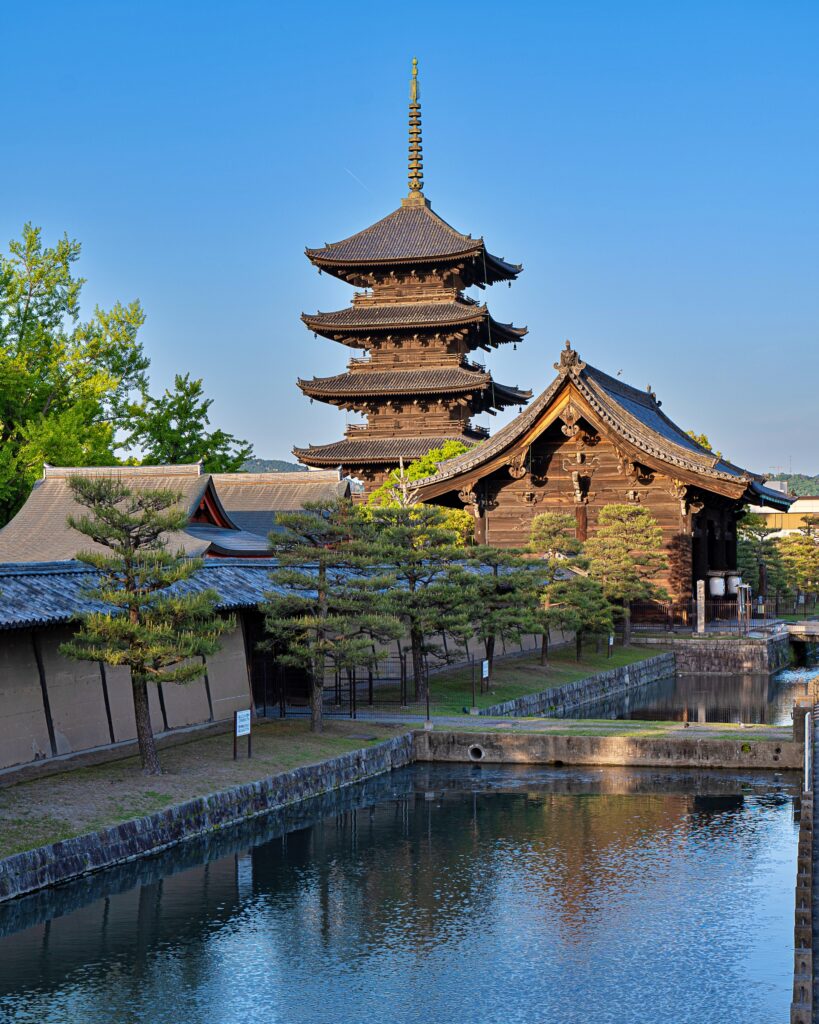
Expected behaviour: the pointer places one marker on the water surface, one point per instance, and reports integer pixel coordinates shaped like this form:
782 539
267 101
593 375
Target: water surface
439 894
751 699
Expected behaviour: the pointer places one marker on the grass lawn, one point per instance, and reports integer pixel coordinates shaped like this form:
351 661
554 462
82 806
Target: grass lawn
86 799
451 692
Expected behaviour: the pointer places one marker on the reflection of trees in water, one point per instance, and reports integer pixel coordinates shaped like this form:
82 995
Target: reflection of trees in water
750 698
407 875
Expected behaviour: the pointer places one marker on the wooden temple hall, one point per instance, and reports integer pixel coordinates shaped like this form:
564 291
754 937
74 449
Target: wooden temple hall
415 330
587 441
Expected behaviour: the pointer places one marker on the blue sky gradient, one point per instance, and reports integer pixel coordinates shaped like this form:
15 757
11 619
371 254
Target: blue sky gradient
655 167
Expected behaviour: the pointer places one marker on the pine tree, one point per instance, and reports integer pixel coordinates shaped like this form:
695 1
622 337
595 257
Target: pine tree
505 596
161 635
758 558
431 590
625 556
580 606
553 536
325 610
799 553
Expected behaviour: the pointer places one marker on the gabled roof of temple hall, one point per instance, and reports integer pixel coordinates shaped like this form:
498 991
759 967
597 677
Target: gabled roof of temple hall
633 415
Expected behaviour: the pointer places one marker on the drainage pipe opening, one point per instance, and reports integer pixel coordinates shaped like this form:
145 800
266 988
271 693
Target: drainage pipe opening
476 752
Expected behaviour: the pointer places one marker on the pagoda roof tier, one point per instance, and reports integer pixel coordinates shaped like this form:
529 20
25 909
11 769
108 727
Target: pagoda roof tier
362 451
411 235
444 317
454 380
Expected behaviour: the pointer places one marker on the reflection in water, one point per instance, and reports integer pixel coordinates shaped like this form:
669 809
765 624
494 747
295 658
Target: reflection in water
708 698
445 893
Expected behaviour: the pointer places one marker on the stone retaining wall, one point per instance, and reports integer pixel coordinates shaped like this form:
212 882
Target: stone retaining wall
559 701
557 749
724 655
802 1003
72 858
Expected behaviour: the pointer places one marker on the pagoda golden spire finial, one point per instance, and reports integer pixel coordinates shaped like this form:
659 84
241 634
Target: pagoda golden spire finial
416 163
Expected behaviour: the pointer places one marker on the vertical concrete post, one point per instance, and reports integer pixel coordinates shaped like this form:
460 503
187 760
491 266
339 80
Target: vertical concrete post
700 606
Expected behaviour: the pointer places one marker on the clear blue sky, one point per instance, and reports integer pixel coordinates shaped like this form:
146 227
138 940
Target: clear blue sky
654 166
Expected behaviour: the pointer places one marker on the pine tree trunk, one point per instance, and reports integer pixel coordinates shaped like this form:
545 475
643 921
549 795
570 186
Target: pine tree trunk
763 580
317 687
626 624
544 647
145 733
317 698
489 643
419 680
578 646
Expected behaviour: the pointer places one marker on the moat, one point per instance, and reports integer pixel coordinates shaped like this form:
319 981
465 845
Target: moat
439 894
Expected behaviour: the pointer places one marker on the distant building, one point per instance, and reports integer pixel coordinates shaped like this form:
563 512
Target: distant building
792 520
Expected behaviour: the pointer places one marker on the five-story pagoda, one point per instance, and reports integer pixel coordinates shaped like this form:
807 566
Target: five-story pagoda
415 384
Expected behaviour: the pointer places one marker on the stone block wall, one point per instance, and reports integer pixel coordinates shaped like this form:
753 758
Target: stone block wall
559 701
724 655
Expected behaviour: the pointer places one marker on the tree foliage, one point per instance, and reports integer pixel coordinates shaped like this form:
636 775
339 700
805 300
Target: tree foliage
625 555
396 491
504 595
161 634
799 555
430 589
578 605
553 536
758 558
64 382
324 610
174 429
703 442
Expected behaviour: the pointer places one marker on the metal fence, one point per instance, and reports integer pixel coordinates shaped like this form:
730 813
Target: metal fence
721 615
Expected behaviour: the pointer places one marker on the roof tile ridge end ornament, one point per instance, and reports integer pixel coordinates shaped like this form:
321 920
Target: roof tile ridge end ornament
570 362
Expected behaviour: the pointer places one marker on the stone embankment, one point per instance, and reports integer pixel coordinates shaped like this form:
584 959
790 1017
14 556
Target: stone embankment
724 655
804 954
567 749
72 858
560 700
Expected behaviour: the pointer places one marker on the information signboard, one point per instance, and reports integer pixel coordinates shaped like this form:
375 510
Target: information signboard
241 727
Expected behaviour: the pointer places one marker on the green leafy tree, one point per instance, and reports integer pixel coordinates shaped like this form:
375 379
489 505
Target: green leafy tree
505 597
758 558
799 554
703 442
174 429
325 609
397 492
65 383
430 592
161 635
553 537
579 605
625 556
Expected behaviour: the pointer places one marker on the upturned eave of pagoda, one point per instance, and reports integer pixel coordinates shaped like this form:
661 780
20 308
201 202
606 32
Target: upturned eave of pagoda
359 325
359 388
379 451
409 237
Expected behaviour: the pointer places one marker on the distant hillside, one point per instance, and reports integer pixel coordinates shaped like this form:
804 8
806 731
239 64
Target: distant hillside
272 466
799 483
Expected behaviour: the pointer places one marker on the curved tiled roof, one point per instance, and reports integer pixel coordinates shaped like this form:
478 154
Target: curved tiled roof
361 451
45 592
633 414
452 380
412 233
409 316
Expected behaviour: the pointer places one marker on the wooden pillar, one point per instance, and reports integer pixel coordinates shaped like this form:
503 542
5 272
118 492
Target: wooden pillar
581 514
